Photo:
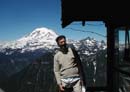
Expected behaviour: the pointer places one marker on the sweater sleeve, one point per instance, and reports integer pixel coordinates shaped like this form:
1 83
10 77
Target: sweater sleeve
57 70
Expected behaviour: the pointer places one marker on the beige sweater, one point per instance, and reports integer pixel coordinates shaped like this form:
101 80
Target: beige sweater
64 65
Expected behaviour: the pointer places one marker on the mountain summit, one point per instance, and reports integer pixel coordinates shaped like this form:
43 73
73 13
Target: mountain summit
40 36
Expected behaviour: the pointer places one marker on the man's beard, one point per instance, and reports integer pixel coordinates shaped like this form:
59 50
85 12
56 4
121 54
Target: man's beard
64 49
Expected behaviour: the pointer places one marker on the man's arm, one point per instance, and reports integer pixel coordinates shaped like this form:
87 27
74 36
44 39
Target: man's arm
56 68
57 74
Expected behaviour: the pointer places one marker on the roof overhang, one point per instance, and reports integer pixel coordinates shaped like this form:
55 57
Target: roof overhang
116 13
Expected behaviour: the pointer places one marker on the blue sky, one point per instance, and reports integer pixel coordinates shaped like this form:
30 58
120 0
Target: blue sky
20 17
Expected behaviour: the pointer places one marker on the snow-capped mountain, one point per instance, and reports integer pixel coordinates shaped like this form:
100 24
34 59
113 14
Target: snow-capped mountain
39 35
38 38
90 46
44 38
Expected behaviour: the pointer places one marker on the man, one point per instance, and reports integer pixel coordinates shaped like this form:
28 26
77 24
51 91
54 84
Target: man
67 67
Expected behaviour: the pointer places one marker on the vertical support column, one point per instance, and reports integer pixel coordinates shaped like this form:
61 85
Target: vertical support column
110 57
116 62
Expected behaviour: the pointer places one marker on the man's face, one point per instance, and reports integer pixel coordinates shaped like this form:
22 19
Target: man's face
62 45
62 42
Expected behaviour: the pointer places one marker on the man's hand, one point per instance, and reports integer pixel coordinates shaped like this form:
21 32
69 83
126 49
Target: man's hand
61 87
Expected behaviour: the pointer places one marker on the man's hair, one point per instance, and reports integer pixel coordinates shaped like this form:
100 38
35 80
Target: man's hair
60 37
